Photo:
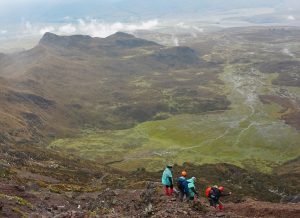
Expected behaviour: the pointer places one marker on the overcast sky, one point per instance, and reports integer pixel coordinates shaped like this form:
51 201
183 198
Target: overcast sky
12 11
23 18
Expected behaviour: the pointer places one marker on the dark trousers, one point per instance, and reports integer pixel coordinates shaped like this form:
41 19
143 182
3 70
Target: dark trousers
182 193
213 202
216 203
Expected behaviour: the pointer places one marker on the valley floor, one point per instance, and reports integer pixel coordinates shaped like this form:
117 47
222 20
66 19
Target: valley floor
250 134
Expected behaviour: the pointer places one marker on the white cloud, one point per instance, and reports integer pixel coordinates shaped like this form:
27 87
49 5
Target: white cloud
201 30
46 29
291 17
67 29
29 29
100 29
28 26
175 40
185 26
286 51
90 27
3 32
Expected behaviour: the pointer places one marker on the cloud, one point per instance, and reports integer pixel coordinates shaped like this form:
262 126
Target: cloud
100 29
291 17
67 29
183 25
46 29
28 27
175 40
192 27
200 30
91 27
3 32
286 51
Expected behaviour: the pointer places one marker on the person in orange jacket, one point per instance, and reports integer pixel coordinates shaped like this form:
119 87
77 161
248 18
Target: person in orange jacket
213 194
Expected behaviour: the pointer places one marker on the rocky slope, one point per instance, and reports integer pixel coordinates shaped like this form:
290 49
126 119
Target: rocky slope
41 183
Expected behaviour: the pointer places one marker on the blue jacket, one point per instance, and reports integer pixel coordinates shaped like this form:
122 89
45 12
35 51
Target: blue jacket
184 184
165 179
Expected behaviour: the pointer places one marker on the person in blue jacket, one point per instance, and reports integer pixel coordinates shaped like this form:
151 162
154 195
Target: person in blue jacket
167 180
182 186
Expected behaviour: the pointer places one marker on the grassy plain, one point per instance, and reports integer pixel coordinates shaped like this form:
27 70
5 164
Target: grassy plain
249 134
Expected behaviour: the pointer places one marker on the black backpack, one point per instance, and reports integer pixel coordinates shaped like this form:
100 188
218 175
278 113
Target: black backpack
215 193
179 183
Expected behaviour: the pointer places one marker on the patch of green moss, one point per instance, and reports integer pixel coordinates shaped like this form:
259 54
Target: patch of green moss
20 212
18 200
61 188
4 173
92 213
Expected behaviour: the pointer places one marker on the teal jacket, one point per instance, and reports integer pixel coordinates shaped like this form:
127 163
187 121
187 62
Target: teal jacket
165 177
191 186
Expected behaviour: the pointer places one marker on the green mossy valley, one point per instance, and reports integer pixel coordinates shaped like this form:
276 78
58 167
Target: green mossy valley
249 134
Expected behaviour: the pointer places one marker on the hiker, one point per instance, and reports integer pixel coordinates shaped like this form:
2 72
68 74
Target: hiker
182 186
213 194
167 180
191 188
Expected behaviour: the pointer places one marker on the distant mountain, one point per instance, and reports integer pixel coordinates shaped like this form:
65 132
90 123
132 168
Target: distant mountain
117 39
50 39
114 45
67 83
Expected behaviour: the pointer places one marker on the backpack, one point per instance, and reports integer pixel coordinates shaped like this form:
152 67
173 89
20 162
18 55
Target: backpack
207 191
212 192
180 184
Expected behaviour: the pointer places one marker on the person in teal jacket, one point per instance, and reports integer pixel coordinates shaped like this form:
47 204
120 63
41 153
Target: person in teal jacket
167 180
192 189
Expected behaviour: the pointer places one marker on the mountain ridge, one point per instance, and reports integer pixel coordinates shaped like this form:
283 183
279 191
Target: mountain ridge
67 69
120 39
